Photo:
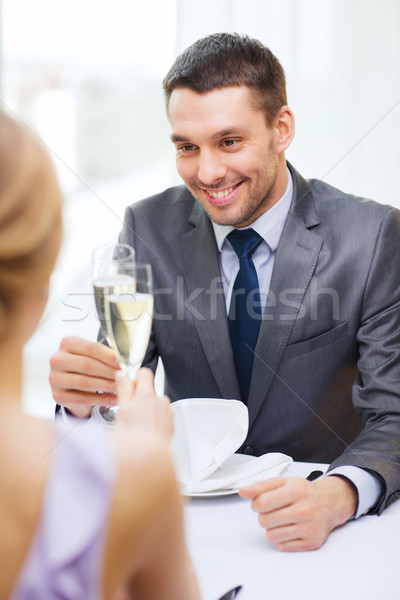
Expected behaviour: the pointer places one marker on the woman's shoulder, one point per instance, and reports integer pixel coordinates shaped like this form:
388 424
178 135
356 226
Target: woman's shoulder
25 454
25 451
73 510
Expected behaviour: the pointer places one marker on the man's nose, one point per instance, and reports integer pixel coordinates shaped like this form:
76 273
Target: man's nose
211 168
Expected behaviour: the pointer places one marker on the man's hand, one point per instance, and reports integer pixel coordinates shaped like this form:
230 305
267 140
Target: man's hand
139 404
298 514
79 370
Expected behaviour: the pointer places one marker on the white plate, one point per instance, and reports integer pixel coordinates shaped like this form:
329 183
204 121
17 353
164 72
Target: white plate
234 460
212 494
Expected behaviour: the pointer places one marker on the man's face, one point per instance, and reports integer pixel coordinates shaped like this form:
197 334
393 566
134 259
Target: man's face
226 154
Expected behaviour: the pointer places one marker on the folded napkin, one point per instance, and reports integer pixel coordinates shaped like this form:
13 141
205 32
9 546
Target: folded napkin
208 431
240 470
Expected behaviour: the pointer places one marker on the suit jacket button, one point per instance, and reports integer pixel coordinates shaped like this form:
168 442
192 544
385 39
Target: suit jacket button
248 450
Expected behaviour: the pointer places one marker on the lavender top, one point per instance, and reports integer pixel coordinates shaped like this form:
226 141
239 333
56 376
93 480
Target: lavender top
65 558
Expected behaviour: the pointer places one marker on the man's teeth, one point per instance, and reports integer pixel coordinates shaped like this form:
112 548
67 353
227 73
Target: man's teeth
220 194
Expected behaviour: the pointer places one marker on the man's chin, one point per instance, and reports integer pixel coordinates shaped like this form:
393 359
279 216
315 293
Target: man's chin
224 216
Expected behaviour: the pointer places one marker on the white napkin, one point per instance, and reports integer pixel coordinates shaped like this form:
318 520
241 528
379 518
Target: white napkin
207 433
240 470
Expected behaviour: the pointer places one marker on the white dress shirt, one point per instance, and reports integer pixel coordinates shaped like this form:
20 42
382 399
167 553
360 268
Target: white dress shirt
270 226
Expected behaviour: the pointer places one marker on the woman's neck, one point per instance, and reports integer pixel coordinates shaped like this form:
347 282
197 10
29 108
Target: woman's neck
10 375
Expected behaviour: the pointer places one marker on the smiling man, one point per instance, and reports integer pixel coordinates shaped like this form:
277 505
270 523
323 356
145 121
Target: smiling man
226 155
280 292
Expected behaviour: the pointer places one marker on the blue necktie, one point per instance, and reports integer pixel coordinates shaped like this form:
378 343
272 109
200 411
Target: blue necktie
245 310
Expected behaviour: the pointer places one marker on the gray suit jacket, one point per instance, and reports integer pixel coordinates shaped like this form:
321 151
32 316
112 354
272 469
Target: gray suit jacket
326 376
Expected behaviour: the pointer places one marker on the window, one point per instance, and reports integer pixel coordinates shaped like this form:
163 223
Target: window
86 78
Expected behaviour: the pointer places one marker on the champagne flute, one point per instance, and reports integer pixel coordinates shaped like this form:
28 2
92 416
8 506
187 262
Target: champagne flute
112 273
129 315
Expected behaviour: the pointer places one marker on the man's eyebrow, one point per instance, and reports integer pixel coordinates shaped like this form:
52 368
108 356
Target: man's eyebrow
234 130
175 137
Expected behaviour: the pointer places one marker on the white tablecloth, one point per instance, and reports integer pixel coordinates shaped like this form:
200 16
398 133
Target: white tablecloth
359 561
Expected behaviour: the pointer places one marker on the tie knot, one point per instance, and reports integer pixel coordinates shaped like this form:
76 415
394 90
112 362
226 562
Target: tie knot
244 242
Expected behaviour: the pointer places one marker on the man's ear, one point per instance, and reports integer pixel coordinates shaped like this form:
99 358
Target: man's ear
284 128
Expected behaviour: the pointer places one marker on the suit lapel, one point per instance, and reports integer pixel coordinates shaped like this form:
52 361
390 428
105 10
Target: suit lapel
206 300
295 261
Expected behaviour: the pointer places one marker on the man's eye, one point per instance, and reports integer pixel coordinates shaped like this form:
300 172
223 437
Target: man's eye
186 148
230 143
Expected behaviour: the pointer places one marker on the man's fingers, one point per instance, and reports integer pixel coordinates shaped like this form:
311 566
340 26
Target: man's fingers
95 350
82 383
300 545
278 499
254 490
285 533
300 513
69 398
83 373
295 539
63 363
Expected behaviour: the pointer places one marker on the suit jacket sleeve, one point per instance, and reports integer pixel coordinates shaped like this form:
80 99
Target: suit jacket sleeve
376 391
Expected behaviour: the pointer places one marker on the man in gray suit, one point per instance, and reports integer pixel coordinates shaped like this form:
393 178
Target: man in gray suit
321 377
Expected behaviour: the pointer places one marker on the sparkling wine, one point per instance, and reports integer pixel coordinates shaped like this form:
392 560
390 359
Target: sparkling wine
129 318
113 285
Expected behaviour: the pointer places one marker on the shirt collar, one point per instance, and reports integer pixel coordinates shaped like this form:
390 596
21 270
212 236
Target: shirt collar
269 226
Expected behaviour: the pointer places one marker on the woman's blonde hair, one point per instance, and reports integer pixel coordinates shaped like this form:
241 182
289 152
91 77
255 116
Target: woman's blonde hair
30 216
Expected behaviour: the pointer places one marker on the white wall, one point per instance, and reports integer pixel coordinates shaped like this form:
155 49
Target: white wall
86 78
91 71
342 62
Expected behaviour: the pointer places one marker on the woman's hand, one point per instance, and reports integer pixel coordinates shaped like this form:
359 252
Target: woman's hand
139 404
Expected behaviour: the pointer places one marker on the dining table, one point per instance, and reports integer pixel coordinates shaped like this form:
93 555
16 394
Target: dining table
228 548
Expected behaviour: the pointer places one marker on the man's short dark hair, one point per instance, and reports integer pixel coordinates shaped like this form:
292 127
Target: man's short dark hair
229 59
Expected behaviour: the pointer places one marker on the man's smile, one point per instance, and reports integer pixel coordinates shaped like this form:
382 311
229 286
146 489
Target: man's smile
219 197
